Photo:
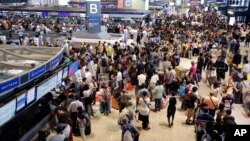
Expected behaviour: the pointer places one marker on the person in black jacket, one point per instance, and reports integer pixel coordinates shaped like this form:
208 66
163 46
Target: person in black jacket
221 68
237 58
200 63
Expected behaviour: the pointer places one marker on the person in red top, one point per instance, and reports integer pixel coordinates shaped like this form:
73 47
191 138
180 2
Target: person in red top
192 70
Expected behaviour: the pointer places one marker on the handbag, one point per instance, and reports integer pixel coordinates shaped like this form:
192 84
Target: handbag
140 108
213 103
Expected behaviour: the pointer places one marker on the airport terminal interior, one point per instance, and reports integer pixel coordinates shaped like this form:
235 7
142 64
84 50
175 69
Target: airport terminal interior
124 70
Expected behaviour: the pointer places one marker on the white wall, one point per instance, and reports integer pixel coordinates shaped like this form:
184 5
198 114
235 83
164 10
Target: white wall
140 4
45 2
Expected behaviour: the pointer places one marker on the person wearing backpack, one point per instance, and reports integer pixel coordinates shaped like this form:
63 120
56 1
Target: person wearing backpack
104 63
143 107
129 131
83 122
191 103
238 92
105 100
210 134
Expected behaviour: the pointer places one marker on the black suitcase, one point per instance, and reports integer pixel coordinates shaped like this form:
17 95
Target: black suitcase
238 98
88 130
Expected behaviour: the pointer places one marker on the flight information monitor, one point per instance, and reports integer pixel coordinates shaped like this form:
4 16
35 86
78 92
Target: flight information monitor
7 111
20 102
31 94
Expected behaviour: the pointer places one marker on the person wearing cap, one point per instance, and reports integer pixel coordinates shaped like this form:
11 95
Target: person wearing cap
228 101
59 136
212 103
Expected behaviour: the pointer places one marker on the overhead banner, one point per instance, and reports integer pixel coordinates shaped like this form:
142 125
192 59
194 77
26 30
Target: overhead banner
93 11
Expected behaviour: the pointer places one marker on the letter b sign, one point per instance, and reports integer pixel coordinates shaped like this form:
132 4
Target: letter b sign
93 8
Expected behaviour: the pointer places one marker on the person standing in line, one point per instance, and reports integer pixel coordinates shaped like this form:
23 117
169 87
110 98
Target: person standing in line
59 136
169 77
212 103
73 112
144 110
105 100
158 92
123 101
83 122
171 109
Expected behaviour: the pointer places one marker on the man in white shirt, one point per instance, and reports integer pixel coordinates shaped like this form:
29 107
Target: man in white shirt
119 79
153 81
73 112
246 67
141 79
88 76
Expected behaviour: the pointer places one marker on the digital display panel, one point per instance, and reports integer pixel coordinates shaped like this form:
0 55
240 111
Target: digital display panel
7 111
31 95
46 87
65 72
59 78
73 68
20 101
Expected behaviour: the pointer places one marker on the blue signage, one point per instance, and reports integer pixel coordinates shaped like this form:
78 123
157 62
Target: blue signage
56 60
37 72
45 14
94 19
93 13
63 14
9 85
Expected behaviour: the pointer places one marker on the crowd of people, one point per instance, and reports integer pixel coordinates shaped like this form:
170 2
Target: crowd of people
149 66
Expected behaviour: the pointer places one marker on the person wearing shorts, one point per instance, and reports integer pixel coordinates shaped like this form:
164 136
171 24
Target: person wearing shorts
171 109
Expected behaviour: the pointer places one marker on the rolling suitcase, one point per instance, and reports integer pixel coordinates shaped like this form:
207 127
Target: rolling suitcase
212 80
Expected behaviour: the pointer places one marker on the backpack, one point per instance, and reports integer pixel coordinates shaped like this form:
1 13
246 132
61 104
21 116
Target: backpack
127 136
206 137
104 62
182 91
105 95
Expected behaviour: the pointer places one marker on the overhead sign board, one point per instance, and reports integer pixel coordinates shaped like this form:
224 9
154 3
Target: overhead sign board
93 11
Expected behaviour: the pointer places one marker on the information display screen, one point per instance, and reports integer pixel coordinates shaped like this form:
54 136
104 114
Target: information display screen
46 87
73 68
7 111
20 102
59 78
31 95
65 72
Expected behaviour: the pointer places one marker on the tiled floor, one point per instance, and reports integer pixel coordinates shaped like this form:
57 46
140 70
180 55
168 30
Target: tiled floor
105 128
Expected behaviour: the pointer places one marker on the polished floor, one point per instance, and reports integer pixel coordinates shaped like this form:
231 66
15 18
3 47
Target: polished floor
105 128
